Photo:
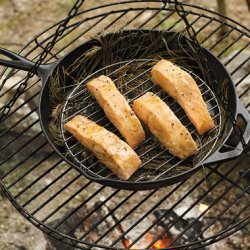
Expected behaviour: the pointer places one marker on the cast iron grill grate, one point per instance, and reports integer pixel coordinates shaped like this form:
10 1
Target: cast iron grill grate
50 193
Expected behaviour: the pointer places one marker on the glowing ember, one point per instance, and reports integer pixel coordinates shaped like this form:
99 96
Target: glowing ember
126 242
162 243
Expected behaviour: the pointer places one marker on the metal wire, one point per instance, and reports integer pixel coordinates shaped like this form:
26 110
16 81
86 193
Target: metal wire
80 92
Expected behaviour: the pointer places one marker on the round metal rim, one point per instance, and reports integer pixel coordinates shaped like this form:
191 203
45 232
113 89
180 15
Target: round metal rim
116 183
61 236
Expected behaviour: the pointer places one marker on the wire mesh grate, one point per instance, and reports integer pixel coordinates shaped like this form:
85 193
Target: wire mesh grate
156 161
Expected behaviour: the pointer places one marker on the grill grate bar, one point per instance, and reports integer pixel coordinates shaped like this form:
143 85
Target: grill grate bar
244 92
36 180
19 135
219 236
133 19
47 186
174 25
85 202
12 87
57 193
222 38
230 45
20 148
20 106
228 232
149 212
150 18
237 198
212 33
233 219
192 23
111 212
204 26
236 54
163 20
239 66
30 170
18 122
115 20
118 222
195 203
242 79
224 177
222 233
39 44
65 202
22 161
231 203
177 203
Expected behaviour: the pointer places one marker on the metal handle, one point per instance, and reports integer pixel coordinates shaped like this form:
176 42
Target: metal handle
217 156
18 62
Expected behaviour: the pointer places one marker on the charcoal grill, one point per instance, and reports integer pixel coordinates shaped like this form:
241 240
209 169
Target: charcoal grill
27 161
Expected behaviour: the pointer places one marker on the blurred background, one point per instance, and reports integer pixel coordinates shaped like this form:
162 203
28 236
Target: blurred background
20 21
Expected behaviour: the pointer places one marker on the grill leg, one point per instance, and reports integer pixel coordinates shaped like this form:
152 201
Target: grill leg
221 4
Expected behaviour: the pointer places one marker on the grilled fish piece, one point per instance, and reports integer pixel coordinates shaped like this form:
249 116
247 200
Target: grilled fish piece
106 146
183 88
117 109
164 125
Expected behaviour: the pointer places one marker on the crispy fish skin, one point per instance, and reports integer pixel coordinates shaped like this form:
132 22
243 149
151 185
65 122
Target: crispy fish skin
183 88
117 109
164 125
106 146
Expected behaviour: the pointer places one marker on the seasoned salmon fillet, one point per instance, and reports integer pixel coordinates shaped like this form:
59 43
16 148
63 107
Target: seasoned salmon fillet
164 125
117 109
106 146
183 88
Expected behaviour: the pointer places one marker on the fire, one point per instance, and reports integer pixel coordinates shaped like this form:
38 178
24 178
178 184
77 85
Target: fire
126 242
162 243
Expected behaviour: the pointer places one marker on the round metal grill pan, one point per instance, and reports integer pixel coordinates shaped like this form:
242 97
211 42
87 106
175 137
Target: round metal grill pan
131 44
157 162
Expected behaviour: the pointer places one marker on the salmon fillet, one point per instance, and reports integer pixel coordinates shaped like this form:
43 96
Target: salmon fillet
183 88
164 125
117 109
106 146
